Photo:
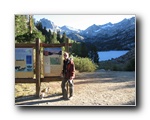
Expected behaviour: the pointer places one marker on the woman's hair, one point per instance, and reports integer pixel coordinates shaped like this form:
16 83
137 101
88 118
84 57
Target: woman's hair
65 53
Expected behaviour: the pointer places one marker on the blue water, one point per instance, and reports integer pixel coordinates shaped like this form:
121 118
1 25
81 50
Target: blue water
108 55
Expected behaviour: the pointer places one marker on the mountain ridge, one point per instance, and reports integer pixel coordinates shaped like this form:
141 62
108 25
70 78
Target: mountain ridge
108 36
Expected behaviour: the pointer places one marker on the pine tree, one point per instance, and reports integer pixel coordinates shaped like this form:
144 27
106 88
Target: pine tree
93 54
58 36
21 26
63 39
49 37
76 49
39 26
54 38
84 50
25 30
45 31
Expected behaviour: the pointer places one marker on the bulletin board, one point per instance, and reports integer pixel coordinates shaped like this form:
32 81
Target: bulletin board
52 61
24 63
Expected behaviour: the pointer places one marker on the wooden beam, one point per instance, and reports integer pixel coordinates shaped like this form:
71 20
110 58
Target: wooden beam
51 79
31 80
25 80
32 45
54 45
28 45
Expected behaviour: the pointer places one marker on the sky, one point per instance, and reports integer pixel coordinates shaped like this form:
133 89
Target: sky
82 21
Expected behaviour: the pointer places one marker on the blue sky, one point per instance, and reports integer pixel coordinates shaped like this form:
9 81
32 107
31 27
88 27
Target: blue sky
82 21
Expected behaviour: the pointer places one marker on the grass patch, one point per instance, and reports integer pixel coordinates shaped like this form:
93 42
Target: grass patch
29 89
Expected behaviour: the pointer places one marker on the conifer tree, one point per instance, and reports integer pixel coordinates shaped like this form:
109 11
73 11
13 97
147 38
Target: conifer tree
44 31
93 54
76 49
84 50
39 26
49 36
58 36
54 38
20 24
63 39
25 29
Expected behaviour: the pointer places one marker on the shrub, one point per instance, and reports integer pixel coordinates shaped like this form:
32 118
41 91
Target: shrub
84 64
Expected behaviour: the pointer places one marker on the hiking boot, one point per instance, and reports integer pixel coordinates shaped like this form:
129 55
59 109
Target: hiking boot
64 98
70 98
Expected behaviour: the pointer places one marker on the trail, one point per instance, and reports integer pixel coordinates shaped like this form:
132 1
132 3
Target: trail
108 88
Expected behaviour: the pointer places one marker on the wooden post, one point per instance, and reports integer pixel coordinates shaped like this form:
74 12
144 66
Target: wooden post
38 82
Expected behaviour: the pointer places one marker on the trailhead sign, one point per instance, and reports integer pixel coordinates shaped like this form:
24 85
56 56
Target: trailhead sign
24 62
52 61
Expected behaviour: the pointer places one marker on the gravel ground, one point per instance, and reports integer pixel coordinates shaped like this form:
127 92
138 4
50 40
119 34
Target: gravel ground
107 88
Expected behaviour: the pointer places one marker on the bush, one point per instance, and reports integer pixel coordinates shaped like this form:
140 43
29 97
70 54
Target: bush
84 64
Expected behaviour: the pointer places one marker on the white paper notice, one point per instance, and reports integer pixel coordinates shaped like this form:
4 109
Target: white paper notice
47 69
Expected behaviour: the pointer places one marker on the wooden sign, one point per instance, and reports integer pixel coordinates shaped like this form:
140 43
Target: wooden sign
23 62
52 61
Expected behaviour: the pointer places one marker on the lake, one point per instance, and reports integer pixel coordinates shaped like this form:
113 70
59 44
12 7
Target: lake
108 55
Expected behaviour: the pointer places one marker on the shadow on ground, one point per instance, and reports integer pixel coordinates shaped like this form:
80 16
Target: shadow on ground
101 80
34 100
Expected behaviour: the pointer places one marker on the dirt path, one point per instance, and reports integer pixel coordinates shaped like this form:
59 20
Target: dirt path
91 89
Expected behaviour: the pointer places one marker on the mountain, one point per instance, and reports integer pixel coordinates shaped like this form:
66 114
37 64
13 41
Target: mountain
118 36
49 24
93 30
69 29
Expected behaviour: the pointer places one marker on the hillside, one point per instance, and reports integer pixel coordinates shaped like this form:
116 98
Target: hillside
118 36
122 63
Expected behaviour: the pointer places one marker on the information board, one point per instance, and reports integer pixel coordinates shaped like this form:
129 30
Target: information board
52 61
23 62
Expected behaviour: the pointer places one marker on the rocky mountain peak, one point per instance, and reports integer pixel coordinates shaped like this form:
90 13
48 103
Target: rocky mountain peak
117 36
49 24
